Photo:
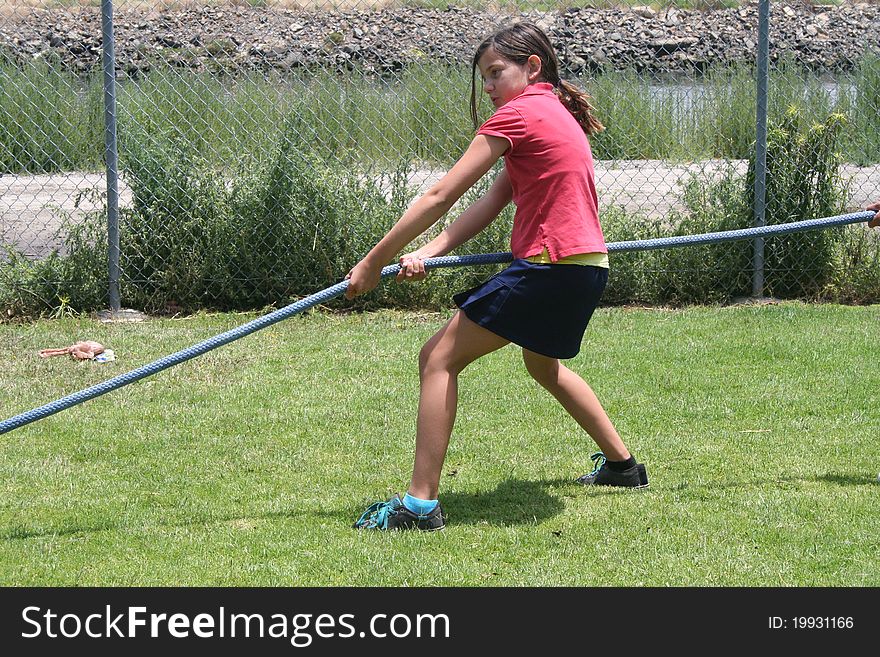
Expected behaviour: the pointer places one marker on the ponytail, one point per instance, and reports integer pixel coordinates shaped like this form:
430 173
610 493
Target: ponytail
577 101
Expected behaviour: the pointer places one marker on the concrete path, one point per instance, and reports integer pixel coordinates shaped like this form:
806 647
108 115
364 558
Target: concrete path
32 207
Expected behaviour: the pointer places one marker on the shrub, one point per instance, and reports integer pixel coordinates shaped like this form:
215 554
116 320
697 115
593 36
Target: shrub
291 222
802 183
200 237
855 267
73 278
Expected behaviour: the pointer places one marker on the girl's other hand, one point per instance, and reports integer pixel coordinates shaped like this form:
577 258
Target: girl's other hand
361 279
412 267
876 220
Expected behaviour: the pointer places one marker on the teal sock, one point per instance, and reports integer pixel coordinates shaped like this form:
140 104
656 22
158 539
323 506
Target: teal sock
417 506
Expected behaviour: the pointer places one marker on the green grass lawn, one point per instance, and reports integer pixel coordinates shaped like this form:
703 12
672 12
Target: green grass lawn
759 426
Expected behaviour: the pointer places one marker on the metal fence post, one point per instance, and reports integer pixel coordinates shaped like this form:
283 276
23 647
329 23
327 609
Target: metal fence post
761 145
111 155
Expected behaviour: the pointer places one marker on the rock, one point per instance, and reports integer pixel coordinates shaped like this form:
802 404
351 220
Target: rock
220 47
576 63
667 46
169 41
387 39
547 23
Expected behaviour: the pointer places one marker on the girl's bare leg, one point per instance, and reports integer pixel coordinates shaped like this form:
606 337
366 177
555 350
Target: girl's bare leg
443 357
579 400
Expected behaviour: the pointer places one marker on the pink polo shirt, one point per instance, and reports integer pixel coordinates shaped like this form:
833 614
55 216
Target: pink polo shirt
550 166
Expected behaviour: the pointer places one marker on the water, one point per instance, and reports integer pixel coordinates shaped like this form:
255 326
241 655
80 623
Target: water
684 94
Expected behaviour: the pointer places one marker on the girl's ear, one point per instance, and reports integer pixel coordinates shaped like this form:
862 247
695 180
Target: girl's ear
535 67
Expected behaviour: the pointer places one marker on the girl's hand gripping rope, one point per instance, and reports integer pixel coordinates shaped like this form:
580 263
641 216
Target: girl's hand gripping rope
362 278
875 222
365 276
412 267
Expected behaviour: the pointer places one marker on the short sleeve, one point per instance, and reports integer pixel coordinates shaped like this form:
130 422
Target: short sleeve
506 123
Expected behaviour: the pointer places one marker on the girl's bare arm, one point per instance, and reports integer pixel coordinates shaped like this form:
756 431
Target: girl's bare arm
470 222
482 153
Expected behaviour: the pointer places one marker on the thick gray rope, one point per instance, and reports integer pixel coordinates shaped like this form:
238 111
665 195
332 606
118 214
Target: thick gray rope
391 270
741 234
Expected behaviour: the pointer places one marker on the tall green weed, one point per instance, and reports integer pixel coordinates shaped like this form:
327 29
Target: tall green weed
245 237
52 121
803 182
712 273
49 119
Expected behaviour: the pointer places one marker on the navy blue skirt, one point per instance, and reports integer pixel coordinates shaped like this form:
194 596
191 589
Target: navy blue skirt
542 308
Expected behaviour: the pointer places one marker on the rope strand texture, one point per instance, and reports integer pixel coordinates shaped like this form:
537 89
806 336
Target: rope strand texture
391 270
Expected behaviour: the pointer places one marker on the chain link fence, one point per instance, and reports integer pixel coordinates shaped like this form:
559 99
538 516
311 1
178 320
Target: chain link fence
265 146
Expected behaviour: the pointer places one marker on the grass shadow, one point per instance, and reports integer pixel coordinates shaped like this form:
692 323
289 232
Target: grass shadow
18 532
849 479
512 502
831 478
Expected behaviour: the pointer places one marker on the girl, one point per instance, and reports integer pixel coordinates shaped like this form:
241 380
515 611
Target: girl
543 301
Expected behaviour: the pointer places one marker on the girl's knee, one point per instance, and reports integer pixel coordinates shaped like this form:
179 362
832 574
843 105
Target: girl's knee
432 356
456 346
543 369
425 355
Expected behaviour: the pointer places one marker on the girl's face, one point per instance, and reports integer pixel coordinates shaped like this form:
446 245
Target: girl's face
504 80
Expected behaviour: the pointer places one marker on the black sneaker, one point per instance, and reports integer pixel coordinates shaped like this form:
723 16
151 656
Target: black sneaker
602 475
393 515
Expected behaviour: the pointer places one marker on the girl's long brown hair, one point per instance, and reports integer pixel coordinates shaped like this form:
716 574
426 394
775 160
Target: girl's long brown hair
519 42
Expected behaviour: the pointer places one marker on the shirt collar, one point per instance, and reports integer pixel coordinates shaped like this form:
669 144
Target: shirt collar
537 88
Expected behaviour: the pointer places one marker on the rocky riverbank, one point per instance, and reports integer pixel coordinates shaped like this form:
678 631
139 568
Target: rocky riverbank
233 38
